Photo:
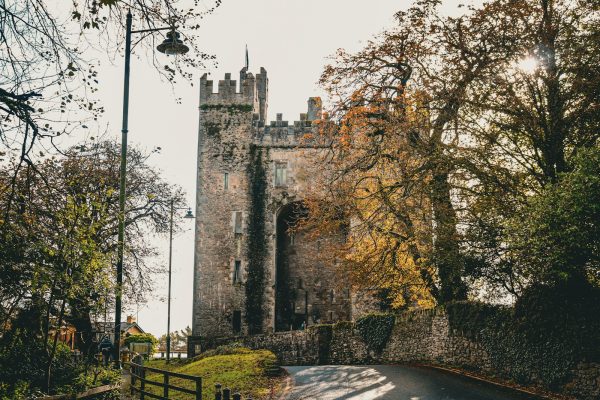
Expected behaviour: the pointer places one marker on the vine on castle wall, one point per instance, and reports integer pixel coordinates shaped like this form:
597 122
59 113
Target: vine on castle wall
542 338
375 330
257 242
227 107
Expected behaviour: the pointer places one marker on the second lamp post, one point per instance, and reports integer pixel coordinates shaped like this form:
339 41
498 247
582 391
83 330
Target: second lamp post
188 215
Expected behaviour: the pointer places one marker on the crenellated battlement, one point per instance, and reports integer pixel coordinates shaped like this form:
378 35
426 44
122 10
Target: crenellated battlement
252 91
282 133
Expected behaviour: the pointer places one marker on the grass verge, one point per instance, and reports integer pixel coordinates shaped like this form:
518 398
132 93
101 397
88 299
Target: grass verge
249 372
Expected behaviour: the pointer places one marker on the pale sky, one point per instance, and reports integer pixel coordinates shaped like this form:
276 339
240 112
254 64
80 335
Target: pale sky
291 39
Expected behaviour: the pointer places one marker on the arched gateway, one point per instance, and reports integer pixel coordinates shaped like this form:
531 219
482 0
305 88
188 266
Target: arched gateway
306 290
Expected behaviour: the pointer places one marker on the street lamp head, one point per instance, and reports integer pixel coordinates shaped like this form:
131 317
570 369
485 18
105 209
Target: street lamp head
172 45
189 214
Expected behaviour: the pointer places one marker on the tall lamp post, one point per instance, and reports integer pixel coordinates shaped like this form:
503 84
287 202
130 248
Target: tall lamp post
188 215
173 46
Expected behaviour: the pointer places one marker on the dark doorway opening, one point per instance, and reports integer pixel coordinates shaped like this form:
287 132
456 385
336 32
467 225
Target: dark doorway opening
237 321
290 296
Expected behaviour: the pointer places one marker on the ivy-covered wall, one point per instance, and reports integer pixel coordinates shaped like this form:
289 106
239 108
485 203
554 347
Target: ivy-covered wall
257 242
470 336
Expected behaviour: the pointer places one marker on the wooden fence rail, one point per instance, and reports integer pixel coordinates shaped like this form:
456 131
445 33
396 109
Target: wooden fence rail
83 395
138 374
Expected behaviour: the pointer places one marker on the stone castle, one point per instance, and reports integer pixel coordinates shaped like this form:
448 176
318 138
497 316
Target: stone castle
252 272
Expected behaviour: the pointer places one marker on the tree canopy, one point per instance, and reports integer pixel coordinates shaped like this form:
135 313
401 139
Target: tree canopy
59 241
441 129
49 73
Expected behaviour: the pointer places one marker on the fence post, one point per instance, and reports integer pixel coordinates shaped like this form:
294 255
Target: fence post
166 385
133 371
226 394
142 383
198 388
218 394
237 396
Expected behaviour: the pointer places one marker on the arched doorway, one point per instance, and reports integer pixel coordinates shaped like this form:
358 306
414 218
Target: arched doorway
290 303
307 291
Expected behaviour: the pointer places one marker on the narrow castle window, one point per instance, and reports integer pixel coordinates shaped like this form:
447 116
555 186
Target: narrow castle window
280 174
237 272
225 181
292 238
237 222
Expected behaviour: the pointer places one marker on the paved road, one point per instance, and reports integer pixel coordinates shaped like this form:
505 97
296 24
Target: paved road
391 382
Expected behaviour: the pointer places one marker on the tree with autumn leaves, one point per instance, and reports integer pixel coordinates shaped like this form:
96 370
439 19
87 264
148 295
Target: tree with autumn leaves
442 133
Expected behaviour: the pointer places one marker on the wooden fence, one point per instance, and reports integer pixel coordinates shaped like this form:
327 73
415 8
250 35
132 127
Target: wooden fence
83 395
138 377
138 374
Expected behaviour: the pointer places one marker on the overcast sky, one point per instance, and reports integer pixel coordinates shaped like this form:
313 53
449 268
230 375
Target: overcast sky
291 39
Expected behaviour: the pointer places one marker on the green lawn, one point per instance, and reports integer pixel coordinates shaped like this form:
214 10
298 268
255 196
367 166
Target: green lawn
242 370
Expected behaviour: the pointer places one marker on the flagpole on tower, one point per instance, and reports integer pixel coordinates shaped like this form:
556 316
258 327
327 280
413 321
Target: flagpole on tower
247 59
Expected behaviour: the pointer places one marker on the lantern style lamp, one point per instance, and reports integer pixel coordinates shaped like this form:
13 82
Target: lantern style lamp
172 45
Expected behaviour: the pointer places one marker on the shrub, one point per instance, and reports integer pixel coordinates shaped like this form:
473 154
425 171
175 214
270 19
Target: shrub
549 330
557 326
224 350
142 338
471 318
23 360
343 325
375 330
94 377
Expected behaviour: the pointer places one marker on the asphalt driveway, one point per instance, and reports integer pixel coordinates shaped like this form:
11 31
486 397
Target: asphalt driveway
393 382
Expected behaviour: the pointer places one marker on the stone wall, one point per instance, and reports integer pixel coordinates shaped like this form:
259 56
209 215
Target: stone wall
417 337
291 348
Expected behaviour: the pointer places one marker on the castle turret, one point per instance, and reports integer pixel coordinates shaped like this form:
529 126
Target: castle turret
315 107
262 88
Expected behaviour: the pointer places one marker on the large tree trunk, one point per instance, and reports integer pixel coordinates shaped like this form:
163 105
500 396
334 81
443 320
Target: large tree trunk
447 257
553 150
52 351
80 318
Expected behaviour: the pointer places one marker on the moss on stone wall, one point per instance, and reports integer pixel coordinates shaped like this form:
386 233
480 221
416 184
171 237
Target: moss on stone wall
541 339
324 334
375 330
212 129
227 107
257 242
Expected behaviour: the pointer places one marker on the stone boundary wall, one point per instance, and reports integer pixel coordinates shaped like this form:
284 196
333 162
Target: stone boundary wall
417 337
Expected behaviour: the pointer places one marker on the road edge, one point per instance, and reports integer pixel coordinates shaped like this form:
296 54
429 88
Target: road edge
289 385
539 395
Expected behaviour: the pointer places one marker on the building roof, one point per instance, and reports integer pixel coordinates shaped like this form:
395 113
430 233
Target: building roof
109 326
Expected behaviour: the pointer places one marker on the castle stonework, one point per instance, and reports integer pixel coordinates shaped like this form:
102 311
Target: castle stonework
252 273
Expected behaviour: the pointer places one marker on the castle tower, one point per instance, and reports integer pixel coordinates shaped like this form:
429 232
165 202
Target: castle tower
224 138
248 268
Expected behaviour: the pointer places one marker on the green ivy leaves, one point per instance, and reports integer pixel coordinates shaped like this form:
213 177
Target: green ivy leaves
375 330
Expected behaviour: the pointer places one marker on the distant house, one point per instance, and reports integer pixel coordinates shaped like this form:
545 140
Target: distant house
67 334
128 327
